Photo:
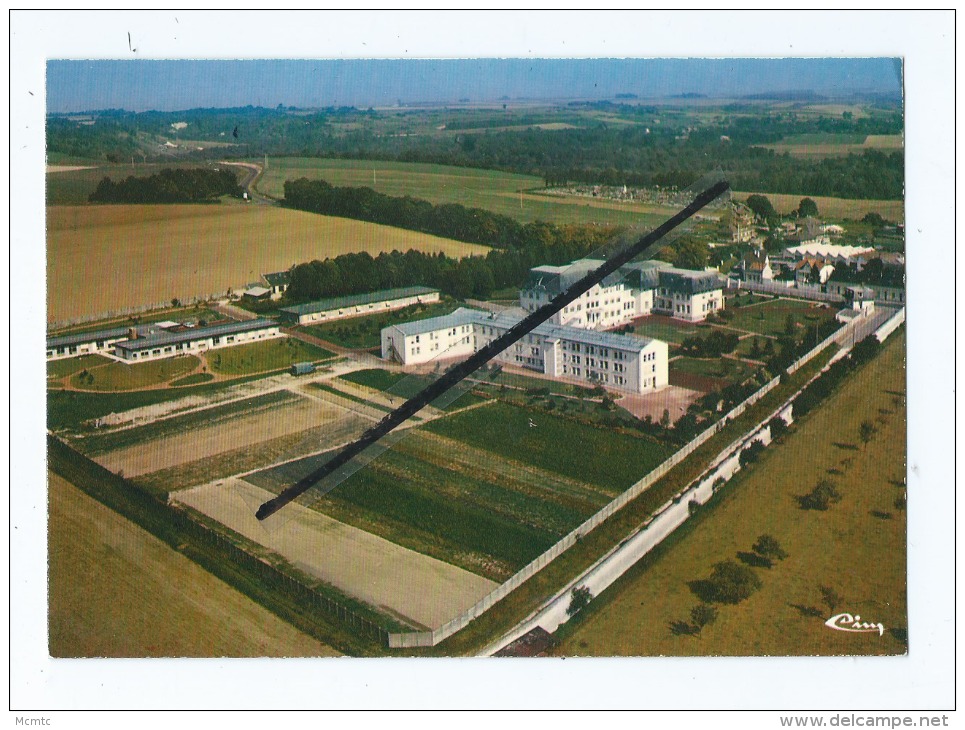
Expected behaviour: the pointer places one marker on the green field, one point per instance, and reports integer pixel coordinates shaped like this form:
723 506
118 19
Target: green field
605 458
258 357
115 590
473 188
360 333
857 547
770 317
136 376
74 187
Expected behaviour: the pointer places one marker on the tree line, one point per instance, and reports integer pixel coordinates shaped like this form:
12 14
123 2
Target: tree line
472 276
178 185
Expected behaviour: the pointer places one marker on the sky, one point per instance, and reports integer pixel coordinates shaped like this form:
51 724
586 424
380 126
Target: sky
168 85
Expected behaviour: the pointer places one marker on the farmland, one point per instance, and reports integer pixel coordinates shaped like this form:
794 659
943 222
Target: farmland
133 255
473 188
834 208
832 145
856 547
117 591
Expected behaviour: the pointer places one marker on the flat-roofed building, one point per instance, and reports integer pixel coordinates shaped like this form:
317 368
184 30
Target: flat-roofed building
159 345
88 343
621 362
357 305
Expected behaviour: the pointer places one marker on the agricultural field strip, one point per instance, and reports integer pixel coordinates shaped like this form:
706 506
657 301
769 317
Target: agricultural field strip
97 443
418 587
207 441
244 460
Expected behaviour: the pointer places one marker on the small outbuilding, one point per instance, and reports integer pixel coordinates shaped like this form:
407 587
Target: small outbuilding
302 368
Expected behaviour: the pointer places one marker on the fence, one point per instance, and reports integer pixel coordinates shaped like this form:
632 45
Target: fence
130 311
787 291
158 518
895 321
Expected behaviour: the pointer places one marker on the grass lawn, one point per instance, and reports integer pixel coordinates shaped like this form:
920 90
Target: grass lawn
115 590
257 357
121 376
770 317
71 365
660 328
857 547
473 188
599 456
724 368
366 332
405 385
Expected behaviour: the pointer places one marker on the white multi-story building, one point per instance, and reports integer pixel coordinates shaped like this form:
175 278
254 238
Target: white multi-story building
620 362
635 290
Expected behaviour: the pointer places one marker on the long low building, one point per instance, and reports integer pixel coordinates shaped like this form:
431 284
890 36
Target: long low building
357 305
89 343
160 345
621 362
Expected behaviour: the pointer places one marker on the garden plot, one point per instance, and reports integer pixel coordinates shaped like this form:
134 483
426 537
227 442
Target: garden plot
248 428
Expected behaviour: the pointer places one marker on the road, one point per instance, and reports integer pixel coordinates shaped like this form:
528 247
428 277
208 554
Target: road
252 173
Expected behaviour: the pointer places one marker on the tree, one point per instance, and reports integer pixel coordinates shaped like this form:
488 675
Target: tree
789 324
731 582
703 614
665 418
830 598
769 549
873 219
778 427
761 207
580 597
751 454
807 208
822 496
866 430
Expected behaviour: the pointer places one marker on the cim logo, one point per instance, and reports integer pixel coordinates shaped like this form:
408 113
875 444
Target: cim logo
853 624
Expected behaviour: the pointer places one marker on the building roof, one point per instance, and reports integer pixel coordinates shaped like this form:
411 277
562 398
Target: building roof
257 291
690 282
460 317
355 300
556 279
162 339
505 320
828 250
278 278
97 336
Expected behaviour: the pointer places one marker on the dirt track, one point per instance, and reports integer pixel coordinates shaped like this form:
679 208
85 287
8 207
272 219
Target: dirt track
426 591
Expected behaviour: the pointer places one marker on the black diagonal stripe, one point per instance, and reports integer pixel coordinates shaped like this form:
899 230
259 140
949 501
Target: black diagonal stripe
462 370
